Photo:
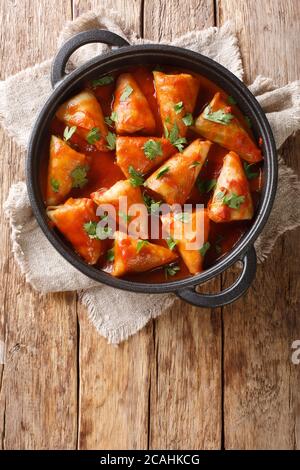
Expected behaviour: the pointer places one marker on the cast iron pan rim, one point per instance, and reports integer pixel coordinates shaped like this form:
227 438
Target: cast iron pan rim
112 59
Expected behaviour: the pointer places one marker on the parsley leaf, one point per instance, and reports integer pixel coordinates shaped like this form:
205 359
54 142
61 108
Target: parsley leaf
249 173
178 107
233 200
111 140
220 195
102 81
108 121
140 244
111 119
54 185
231 100
152 149
174 138
126 93
79 178
103 232
93 136
162 172
90 228
114 116
171 243
68 132
125 217
110 255
194 164
151 204
204 248
220 116
188 119
171 271
205 186
136 178
183 217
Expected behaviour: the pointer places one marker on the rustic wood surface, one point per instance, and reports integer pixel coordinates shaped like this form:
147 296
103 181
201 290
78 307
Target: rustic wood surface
193 378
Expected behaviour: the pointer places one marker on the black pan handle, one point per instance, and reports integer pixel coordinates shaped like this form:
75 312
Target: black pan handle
228 295
86 37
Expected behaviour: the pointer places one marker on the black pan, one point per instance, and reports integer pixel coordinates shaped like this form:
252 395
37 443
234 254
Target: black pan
123 56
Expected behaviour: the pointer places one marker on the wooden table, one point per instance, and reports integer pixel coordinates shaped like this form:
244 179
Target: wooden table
193 378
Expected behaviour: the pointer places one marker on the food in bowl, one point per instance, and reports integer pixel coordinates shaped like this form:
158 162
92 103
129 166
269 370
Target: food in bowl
152 174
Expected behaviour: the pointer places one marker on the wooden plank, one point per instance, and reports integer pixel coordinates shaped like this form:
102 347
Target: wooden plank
262 405
38 398
185 406
114 382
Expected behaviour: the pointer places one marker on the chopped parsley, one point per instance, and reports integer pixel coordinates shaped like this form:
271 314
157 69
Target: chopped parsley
79 178
171 243
109 120
171 271
178 107
220 195
54 185
114 116
188 119
102 81
90 228
204 248
174 138
233 200
111 140
183 217
249 173
126 93
140 244
231 100
162 172
151 204
194 164
103 232
205 186
220 116
136 178
68 132
93 136
110 255
152 149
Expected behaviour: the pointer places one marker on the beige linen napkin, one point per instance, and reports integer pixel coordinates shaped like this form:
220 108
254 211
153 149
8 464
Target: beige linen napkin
117 314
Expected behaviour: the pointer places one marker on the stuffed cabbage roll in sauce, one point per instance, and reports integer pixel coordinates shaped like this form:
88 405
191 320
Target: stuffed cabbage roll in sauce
65 164
131 109
176 96
186 226
142 153
218 124
133 255
174 180
84 112
73 219
231 198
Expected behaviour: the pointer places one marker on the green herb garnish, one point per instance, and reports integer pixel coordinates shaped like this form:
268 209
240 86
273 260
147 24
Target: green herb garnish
125 217
178 107
90 228
140 244
188 119
171 271
151 204
152 149
220 116
54 185
102 81
194 164
162 172
79 178
93 136
103 232
204 248
111 140
136 178
110 255
171 243
220 195
126 93
205 186
249 173
231 100
175 139
233 200
114 116
68 132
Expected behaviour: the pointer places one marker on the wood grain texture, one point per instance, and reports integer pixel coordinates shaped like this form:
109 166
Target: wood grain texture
262 405
38 381
186 372
114 382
